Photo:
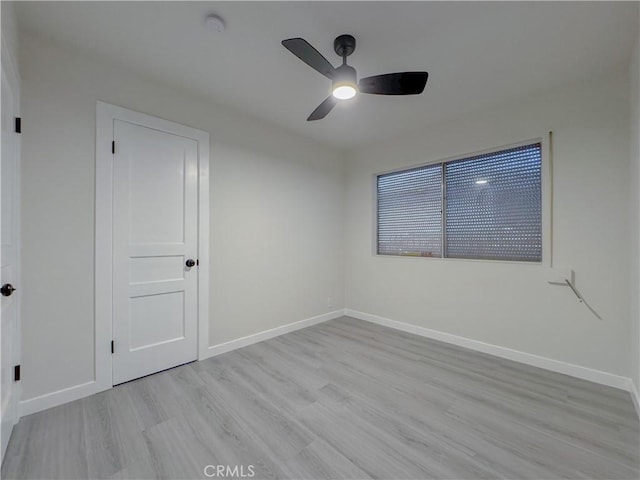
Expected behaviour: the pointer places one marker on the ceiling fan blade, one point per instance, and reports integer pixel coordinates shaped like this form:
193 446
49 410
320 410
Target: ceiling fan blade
309 55
404 83
323 109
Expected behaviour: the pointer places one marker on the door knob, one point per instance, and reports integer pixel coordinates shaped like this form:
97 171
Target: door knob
7 289
191 263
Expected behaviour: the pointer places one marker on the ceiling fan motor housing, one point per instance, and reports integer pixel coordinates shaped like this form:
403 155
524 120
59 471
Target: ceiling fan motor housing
345 75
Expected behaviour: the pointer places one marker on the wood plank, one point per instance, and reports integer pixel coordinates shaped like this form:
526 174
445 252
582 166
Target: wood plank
342 399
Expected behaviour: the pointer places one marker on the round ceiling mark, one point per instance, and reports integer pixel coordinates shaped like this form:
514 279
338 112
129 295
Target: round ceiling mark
214 23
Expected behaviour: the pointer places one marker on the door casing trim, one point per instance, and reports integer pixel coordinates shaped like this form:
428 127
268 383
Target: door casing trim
106 114
11 72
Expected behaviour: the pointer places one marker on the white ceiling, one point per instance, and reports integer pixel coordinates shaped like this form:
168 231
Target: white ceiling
477 54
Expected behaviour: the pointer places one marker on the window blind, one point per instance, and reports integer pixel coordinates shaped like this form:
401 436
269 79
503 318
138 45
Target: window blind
410 212
494 205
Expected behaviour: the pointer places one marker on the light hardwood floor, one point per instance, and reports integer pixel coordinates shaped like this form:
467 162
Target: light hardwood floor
343 399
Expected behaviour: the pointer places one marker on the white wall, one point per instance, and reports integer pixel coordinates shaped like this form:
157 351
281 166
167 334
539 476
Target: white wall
634 74
10 29
276 213
512 305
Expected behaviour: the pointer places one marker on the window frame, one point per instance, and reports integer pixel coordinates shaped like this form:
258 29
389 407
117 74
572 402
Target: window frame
546 188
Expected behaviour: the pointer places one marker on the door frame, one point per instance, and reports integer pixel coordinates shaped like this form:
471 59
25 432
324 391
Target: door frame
106 114
9 69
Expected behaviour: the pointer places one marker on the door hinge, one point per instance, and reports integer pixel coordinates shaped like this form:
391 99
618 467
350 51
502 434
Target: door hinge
18 125
113 146
16 373
113 346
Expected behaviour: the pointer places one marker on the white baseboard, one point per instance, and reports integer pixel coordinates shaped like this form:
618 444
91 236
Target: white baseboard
267 334
558 366
633 390
53 399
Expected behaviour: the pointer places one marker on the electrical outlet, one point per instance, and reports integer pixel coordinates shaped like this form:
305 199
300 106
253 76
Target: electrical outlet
329 302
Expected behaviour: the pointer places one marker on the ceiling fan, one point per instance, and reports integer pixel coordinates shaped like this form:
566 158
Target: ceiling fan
344 78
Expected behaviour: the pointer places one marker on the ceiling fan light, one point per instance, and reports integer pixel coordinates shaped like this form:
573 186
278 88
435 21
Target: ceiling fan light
344 90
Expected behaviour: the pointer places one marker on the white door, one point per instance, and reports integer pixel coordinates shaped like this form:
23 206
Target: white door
155 239
8 257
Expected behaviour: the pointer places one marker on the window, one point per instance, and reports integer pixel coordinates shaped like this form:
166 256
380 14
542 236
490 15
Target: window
410 212
487 206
